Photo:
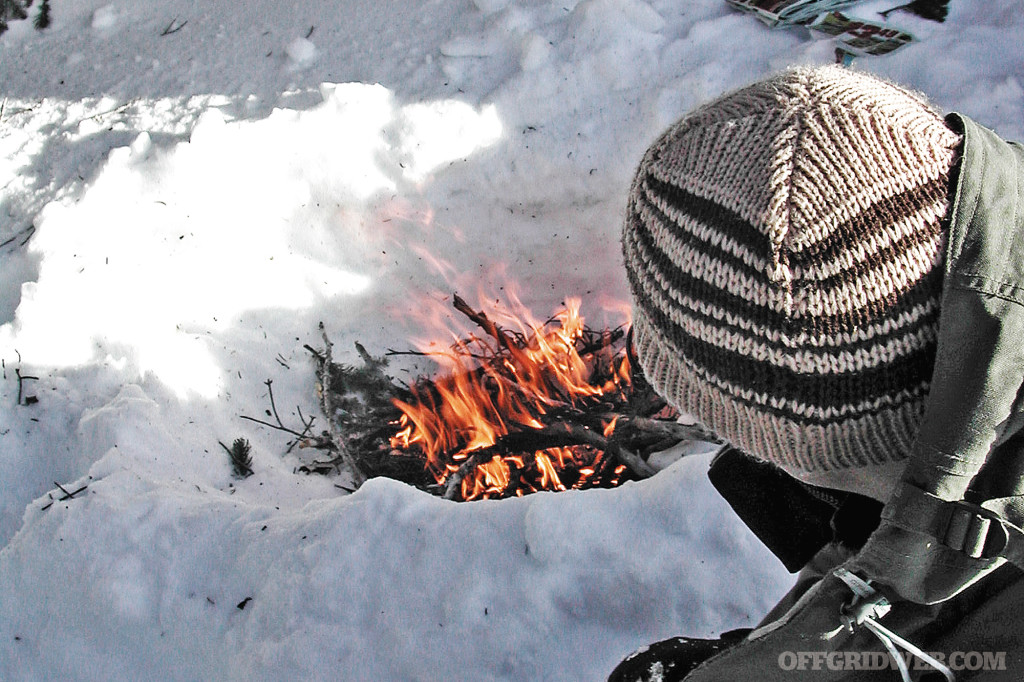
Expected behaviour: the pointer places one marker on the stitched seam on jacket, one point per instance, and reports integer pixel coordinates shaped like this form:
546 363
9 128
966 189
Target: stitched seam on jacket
1000 288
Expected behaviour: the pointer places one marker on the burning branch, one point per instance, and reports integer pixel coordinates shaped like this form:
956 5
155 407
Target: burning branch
556 435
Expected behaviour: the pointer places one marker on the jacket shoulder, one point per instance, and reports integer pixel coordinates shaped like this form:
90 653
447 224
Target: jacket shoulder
986 237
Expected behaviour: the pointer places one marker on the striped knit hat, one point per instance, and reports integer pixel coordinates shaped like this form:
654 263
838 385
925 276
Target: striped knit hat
784 246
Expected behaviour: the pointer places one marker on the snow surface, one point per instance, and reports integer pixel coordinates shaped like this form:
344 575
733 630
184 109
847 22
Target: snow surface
180 208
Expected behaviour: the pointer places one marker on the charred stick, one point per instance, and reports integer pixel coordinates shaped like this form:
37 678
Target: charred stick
433 354
273 406
664 428
426 392
488 325
604 341
314 352
530 440
276 427
67 495
22 378
531 397
612 448
481 320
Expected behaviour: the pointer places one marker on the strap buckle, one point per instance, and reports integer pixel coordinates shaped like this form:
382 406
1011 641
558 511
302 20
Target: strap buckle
959 525
973 530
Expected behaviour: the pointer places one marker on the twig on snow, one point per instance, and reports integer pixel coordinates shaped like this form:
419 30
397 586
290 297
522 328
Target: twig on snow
67 495
173 27
307 424
28 232
101 114
22 378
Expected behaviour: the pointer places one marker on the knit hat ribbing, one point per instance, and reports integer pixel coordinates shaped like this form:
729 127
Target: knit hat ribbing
783 245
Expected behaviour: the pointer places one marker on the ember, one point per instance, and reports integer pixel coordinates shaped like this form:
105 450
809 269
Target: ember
525 406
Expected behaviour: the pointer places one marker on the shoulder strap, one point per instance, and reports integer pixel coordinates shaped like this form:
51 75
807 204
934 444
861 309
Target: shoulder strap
962 526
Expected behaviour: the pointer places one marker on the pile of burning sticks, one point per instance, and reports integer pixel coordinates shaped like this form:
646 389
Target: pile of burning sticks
516 407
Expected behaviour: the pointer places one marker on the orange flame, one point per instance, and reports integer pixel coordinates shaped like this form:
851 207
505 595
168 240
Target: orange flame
493 389
609 428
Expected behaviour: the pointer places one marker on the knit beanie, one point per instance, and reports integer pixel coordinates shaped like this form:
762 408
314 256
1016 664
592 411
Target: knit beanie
784 248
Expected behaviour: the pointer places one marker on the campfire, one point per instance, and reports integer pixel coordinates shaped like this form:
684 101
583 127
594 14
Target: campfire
516 407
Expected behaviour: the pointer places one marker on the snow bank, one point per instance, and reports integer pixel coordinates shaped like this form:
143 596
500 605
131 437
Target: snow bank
156 577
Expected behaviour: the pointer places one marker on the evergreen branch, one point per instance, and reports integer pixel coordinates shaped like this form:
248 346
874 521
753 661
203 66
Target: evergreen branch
241 459
327 407
42 19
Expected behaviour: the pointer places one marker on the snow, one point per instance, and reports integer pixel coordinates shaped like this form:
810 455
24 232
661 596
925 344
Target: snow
104 18
179 211
301 52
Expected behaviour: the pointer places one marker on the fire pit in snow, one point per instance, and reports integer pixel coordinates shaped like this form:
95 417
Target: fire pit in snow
518 407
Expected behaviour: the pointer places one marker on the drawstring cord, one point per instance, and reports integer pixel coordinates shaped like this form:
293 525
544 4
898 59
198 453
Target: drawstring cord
867 607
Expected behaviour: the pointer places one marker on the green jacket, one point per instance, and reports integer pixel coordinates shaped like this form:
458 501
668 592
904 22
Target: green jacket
960 510
957 515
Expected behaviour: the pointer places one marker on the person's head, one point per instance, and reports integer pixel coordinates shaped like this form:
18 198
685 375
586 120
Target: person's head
784 248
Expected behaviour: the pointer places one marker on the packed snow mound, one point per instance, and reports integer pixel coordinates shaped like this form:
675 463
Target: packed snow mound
185 580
